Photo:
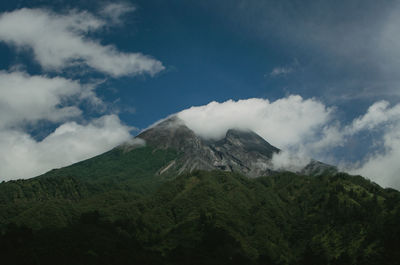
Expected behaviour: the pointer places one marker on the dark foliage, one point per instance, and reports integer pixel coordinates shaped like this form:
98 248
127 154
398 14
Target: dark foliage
100 212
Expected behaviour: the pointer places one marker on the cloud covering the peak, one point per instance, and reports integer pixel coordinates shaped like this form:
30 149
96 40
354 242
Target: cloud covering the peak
284 122
307 128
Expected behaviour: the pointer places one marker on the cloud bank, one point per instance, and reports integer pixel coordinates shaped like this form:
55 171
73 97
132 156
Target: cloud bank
306 128
59 41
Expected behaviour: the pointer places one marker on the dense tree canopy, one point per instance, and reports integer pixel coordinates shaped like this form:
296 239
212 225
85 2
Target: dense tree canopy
103 212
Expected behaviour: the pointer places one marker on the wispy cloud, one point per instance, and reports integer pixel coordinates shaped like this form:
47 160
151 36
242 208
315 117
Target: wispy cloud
281 71
59 41
114 11
285 70
345 54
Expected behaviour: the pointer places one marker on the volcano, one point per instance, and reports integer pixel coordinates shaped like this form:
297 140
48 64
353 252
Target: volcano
169 196
241 151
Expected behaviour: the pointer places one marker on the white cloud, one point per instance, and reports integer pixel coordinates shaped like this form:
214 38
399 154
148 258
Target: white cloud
25 98
290 161
379 118
59 41
22 157
377 114
114 11
292 124
307 129
331 135
382 166
284 122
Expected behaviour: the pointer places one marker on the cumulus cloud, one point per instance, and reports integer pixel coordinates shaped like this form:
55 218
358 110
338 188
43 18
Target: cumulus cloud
381 166
284 122
25 98
293 124
21 156
59 41
378 113
379 117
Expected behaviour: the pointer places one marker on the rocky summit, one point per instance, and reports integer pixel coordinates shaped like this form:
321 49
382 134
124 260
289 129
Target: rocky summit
241 151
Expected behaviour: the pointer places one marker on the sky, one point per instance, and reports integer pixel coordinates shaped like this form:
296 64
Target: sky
317 79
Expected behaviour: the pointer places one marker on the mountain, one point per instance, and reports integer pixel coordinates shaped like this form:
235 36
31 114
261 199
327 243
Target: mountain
181 199
239 151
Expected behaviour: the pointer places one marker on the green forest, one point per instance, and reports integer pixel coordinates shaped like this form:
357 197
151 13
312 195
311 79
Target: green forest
116 209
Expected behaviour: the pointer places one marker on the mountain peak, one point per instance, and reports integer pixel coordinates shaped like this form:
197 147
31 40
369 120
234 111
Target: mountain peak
241 151
170 133
250 141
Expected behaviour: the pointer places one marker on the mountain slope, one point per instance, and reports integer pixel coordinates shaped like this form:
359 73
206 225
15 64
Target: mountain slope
119 173
181 199
221 217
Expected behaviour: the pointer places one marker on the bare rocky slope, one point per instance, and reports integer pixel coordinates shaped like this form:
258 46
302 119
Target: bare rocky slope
239 151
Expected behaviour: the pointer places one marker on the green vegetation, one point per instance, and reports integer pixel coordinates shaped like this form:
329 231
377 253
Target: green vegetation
58 197
115 210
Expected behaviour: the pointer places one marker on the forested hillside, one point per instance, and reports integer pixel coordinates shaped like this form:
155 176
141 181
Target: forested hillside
198 218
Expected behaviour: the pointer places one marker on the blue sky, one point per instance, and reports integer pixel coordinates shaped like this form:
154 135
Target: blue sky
342 59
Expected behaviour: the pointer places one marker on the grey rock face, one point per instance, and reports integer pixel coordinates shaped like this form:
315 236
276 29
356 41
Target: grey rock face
245 152
239 151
